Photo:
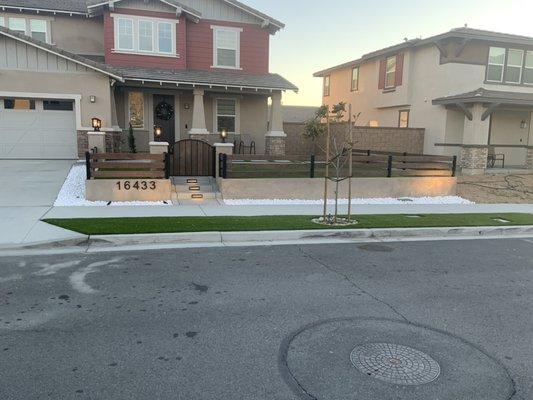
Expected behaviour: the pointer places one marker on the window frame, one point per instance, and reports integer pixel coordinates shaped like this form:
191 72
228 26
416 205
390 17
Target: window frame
326 89
527 53
2 21
237 31
216 115
355 88
128 97
400 112
393 72
521 66
155 22
139 35
9 19
46 30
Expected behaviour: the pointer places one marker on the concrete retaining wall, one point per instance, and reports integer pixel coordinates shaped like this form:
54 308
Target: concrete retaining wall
397 140
313 189
128 190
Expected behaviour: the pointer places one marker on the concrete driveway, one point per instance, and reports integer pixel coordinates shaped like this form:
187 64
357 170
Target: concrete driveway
29 189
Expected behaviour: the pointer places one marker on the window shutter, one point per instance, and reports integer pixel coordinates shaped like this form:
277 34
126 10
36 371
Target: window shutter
382 73
399 69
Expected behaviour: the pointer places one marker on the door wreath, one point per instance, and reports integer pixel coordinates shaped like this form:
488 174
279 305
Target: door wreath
164 111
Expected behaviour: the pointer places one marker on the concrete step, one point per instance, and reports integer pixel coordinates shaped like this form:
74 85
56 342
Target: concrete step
196 196
194 188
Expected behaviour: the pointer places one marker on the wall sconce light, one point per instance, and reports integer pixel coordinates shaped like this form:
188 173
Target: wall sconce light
92 98
96 124
523 125
224 135
186 106
158 132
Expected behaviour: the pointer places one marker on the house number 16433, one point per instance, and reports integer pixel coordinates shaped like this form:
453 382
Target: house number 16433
137 185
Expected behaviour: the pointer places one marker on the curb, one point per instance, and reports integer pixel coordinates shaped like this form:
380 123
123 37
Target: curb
306 235
259 238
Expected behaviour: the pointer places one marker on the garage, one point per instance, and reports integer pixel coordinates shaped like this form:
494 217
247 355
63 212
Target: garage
37 129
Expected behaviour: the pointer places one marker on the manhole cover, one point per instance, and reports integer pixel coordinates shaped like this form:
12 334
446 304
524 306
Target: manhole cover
396 364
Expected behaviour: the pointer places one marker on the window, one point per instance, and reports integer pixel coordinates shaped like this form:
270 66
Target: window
226 47
146 36
528 70
327 85
226 115
19 104
390 73
515 60
403 119
165 37
136 109
18 25
2 21
125 34
58 105
355 79
496 64
38 29
373 124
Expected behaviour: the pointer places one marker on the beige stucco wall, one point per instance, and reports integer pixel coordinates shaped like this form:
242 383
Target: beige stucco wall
313 189
72 83
506 129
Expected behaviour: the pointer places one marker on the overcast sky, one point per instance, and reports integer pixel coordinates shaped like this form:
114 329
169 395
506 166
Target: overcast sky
317 37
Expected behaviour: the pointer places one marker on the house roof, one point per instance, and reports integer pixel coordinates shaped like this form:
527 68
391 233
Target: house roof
208 78
92 64
188 77
95 4
460 33
84 7
482 95
298 114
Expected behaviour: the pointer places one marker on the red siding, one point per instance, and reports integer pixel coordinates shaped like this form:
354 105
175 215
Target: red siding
194 44
145 61
255 44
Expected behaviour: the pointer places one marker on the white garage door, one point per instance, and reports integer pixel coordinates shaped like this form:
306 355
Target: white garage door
40 129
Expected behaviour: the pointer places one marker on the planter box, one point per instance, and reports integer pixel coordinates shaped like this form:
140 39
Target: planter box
119 190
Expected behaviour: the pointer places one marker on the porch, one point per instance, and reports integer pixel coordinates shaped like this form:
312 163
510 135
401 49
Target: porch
489 129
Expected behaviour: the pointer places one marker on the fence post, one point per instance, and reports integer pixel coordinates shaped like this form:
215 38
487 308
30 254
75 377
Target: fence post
389 167
223 172
167 166
88 164
454 166
368 153
312 166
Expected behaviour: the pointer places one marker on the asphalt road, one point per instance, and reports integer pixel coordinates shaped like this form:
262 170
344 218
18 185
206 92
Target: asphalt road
271 323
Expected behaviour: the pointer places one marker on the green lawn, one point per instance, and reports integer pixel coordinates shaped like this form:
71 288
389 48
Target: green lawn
110 226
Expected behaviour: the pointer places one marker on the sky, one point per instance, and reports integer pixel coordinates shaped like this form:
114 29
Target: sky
317 36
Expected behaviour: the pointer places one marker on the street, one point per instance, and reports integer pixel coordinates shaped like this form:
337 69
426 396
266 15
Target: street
287 322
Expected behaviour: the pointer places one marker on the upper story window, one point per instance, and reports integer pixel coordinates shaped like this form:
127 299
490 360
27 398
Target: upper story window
528 68
513 66
145 35
496 64
327 85
390 73
355 79
35 28
515 61
226 47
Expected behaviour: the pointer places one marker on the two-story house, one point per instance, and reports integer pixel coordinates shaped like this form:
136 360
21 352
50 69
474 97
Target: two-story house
471 90
192 68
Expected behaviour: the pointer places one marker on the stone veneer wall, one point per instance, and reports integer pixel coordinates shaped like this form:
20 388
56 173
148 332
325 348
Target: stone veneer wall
397 140
529 157
473 159
275 146
113 141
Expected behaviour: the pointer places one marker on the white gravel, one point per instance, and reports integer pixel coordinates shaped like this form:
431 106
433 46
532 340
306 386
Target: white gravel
72 193
407 200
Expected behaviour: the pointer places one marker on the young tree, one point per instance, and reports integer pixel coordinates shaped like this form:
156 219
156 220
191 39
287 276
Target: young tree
314 128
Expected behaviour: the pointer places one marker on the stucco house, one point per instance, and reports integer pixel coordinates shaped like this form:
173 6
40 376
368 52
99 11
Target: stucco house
471 90
192 68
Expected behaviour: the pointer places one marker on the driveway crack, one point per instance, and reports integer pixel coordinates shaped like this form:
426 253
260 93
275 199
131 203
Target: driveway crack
354 284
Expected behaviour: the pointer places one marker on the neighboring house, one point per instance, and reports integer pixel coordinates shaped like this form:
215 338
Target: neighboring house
297 114
193 68
471 90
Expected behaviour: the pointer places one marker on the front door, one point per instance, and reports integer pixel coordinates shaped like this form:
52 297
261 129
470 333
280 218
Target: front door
164 116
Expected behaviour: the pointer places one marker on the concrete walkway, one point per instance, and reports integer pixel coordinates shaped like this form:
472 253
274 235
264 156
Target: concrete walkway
202 210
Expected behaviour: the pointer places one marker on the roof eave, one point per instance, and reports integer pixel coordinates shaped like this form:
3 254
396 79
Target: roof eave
45 10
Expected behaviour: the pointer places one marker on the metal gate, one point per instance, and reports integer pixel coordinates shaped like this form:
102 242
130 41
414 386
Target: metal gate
191 157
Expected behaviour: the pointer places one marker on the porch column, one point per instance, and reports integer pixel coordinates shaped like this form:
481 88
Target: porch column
199 126
275 137
475 141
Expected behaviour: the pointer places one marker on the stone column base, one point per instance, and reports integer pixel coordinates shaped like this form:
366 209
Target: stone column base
474 160
275 145
529 158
